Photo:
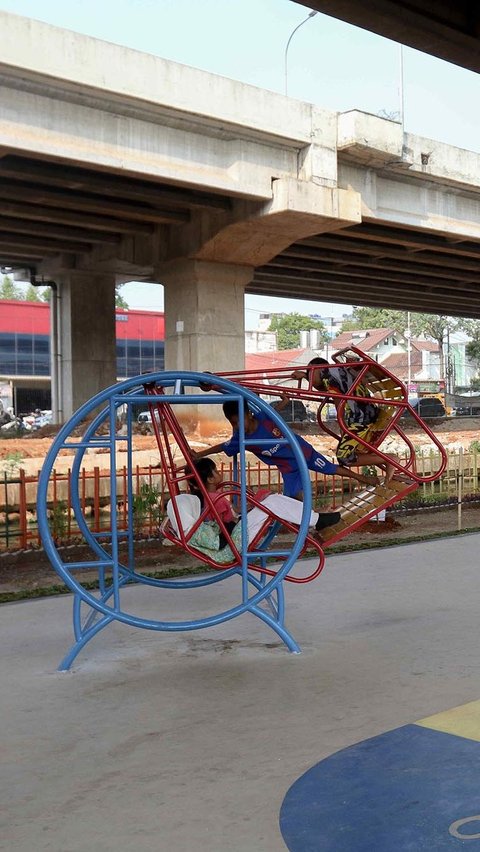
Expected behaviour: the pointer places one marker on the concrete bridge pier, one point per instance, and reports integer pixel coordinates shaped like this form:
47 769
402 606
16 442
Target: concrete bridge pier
204 315
87 347
204 322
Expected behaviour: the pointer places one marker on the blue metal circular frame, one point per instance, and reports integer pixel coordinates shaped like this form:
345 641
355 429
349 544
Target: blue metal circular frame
128 392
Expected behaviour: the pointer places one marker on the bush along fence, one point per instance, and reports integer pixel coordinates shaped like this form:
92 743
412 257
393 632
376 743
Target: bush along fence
18 491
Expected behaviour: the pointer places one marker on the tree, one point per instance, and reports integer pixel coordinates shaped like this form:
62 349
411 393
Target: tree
375 318
472 349
32 294
119 300
430 325
10 290
288 329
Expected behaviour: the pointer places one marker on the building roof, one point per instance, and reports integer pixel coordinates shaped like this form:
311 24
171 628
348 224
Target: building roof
24 317
427 345
279 358
370 337
398 364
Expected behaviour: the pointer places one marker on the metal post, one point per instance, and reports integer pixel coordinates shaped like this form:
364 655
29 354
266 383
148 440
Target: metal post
54 356
401 91
460 489
408 335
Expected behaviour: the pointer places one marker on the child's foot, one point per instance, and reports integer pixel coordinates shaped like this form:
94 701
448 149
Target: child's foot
371 480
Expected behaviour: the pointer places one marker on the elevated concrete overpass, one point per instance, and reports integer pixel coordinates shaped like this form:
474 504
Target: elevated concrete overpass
449 30
116 165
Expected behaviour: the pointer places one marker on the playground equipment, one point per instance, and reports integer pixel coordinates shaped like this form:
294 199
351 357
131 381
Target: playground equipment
389 396
255 570
258 589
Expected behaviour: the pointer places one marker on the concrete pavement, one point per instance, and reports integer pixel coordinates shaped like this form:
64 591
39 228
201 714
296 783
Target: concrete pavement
190 741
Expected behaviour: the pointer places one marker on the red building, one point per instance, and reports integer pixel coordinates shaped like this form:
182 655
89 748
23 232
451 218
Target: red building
25 350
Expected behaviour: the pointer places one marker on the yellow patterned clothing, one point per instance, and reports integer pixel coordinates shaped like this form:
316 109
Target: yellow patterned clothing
362 418
349 448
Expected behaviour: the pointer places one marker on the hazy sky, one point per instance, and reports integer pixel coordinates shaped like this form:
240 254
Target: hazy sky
331 64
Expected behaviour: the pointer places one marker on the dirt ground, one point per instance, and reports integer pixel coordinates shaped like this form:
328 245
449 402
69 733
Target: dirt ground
453 433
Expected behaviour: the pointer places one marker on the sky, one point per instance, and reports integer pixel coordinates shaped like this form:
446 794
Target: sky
330 63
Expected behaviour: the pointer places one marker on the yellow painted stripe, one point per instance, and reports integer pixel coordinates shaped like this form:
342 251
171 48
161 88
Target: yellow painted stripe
461 721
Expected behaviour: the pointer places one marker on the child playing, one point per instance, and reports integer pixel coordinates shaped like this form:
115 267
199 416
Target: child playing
284 507
362 418
281 455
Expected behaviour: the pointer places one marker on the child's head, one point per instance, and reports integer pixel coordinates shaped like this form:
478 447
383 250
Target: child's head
208 473
318 376
231 412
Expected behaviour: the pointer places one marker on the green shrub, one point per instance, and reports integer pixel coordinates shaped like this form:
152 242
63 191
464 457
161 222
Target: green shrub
146 505
58 521
11 463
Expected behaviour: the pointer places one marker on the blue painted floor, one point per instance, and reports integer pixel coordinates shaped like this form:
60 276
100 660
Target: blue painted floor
409 789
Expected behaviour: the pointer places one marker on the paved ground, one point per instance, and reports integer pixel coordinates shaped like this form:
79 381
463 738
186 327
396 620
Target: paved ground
191 741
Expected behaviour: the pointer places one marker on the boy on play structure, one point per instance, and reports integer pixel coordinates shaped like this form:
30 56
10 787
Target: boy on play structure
363 418
281 455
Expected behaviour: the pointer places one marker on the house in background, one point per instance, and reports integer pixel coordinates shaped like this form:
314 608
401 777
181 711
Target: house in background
260 341
390 348
425 363
281 358
461 368
377 343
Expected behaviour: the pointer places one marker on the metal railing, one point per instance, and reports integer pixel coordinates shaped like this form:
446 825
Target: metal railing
18 492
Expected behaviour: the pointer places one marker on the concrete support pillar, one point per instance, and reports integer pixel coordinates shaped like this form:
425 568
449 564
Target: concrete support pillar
87 350
204 325
204 315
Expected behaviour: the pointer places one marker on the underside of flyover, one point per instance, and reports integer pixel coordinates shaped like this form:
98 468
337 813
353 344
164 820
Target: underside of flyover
48 210
449 29
379 265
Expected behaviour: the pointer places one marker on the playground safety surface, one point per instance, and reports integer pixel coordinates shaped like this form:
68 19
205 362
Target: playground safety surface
199 741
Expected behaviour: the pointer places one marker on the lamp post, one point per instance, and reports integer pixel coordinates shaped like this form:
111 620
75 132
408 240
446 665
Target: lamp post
401 90
330 336
310 15
408 335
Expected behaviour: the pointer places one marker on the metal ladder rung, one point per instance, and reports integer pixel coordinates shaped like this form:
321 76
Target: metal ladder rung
331 531
349 512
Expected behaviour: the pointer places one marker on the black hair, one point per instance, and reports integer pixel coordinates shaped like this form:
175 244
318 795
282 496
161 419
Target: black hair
230 408
204 467
317 361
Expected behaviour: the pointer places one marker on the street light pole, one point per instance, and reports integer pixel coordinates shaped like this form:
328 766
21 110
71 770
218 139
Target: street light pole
408 335
401 91
310 15
330 336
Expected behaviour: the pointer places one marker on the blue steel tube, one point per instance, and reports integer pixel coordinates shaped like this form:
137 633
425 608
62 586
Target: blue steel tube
127 392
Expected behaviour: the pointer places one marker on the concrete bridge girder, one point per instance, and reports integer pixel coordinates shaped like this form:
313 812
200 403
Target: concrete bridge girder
298 209
116 165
